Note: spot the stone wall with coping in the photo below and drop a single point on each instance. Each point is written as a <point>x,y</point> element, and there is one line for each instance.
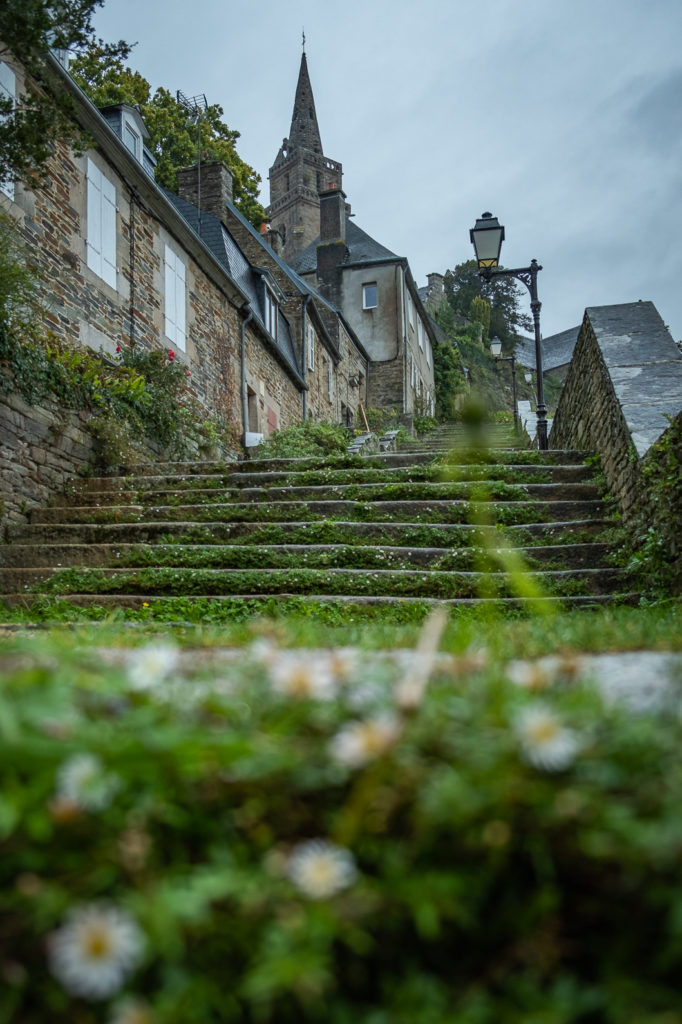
<point>43,448</point>
<point>623,387</point>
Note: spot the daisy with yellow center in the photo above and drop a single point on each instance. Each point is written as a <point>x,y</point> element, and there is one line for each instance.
<point>545,742</point>
<point>95,950</point>
<point>358,743</point>
<point>305,675</point>
<point>320,869</point>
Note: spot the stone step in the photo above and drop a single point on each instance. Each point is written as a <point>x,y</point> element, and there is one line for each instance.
<point>389,582</point>
<point>427,490</point>
<point>367,474</point>
<point>284,555</point>
<point>436,510</point>
<point>147,602</point>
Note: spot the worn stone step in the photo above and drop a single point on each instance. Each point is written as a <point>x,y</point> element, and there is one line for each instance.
<point>449,534</point>
<point>393,582</point>
<point>278,555</point>
<point>146,602</point>
<point>403,490</point>
<point>411,511</point>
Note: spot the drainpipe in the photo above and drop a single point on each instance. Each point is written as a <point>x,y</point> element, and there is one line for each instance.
<point>245,407</point>
<point>304,354</point>
<point>406,382</point>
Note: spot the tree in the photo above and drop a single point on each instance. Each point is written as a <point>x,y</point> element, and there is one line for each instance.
<point>29,30</point>
<point>463,285</point>
<point>479,311</point>
<point>174,131</point>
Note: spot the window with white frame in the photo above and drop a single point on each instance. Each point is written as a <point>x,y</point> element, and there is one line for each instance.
<point>131,140</point>
<point>310,334</point>
<point>420,334</point>
<point>370,295</point>
<point>100,243</point>
<point>8,91</point>
<point>410,310</point>
<point>271,312</point>
<point>428,351</point>
<point>175,299</point>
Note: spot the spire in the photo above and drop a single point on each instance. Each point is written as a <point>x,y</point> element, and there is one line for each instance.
<point>304,131</point>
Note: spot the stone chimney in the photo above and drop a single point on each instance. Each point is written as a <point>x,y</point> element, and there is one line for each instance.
<point>208,186</point>
<point>333,215</point>
<point>272,236</point>
<point>331,248</point>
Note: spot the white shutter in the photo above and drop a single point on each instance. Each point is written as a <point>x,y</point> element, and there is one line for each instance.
<point>101,225</point>
<point>93,241</point>
<point>8,91</point>
<point>176,329</point>
<point>180,317</point>
<point>108,232</point>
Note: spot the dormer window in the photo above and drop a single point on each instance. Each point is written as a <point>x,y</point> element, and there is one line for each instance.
<point>131,140</point>
<point>270,312</point>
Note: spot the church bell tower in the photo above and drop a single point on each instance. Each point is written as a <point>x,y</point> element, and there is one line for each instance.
<point>300,172</point>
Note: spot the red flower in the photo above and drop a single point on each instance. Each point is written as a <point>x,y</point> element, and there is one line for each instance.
<point>118,348</point>
<point>189,373</point>
<point>171,355</point>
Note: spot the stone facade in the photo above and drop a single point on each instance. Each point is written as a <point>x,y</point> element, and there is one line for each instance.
<point>127,301</point>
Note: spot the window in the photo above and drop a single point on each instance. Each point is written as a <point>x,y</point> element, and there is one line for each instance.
<point>175,275</point>
<point>310,334</point>
<point>420,334</point>
<point>330,368</point>
<point>132,140</point>
<point>101,225</point>
<point>8,91</point>
<point>410,310</point>
<point>370,295</point>
<point>428,352</point>
<point>270,312</point>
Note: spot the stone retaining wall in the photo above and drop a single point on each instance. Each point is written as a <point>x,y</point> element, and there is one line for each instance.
<point>623,400</point>
<point>42,448</point>
<point>625,380</point>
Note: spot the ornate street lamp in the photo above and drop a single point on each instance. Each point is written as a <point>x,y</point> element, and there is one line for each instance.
<point>496,352</point>
<point>487,236</point>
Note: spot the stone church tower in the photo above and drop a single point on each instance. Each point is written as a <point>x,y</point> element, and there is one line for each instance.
<point>300,172</point>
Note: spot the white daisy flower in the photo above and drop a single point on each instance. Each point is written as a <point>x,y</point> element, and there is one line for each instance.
<point>357,743</point>
<point>304,674</point>
<point>93,953</point>
<point>320,869</point>
<point>83,782</point>
<point>545,742</point>
<point>150,665</point>
<point>131,1011</point>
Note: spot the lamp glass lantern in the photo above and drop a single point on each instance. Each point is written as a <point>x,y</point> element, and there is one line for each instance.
<point>528,376</point>
<point>487,236</point>
<point>495,347</point>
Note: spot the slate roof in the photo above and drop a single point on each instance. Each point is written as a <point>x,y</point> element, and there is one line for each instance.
<point>223,246</point>
<point>557,350</point>
<point>361,248</point>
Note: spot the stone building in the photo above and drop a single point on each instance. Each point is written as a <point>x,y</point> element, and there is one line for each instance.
<point>127,263</point>
<point>366,282</point>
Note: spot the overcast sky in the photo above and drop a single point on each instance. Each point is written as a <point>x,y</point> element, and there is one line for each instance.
<point>562,117</point>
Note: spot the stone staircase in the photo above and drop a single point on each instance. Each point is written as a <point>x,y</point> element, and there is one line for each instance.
<point>442,519</point>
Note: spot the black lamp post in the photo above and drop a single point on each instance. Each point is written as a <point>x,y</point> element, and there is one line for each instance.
<point>496,352</point>
<point>487,236</point>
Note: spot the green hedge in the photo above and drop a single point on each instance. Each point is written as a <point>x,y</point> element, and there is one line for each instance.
<point>308,836</point>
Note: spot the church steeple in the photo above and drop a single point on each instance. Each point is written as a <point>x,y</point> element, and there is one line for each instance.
<point>304,130</point>
<point>300,172</point>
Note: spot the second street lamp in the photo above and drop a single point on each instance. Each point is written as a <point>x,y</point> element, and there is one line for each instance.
<point>487,236</point>
<point>496,352</point>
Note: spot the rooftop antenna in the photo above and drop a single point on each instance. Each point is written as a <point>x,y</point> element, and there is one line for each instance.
<point>195,106</point>
<point>303,34</point>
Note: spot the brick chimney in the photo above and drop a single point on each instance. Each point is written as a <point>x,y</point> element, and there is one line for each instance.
<point>331,248</point>
<point>208,186</point>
